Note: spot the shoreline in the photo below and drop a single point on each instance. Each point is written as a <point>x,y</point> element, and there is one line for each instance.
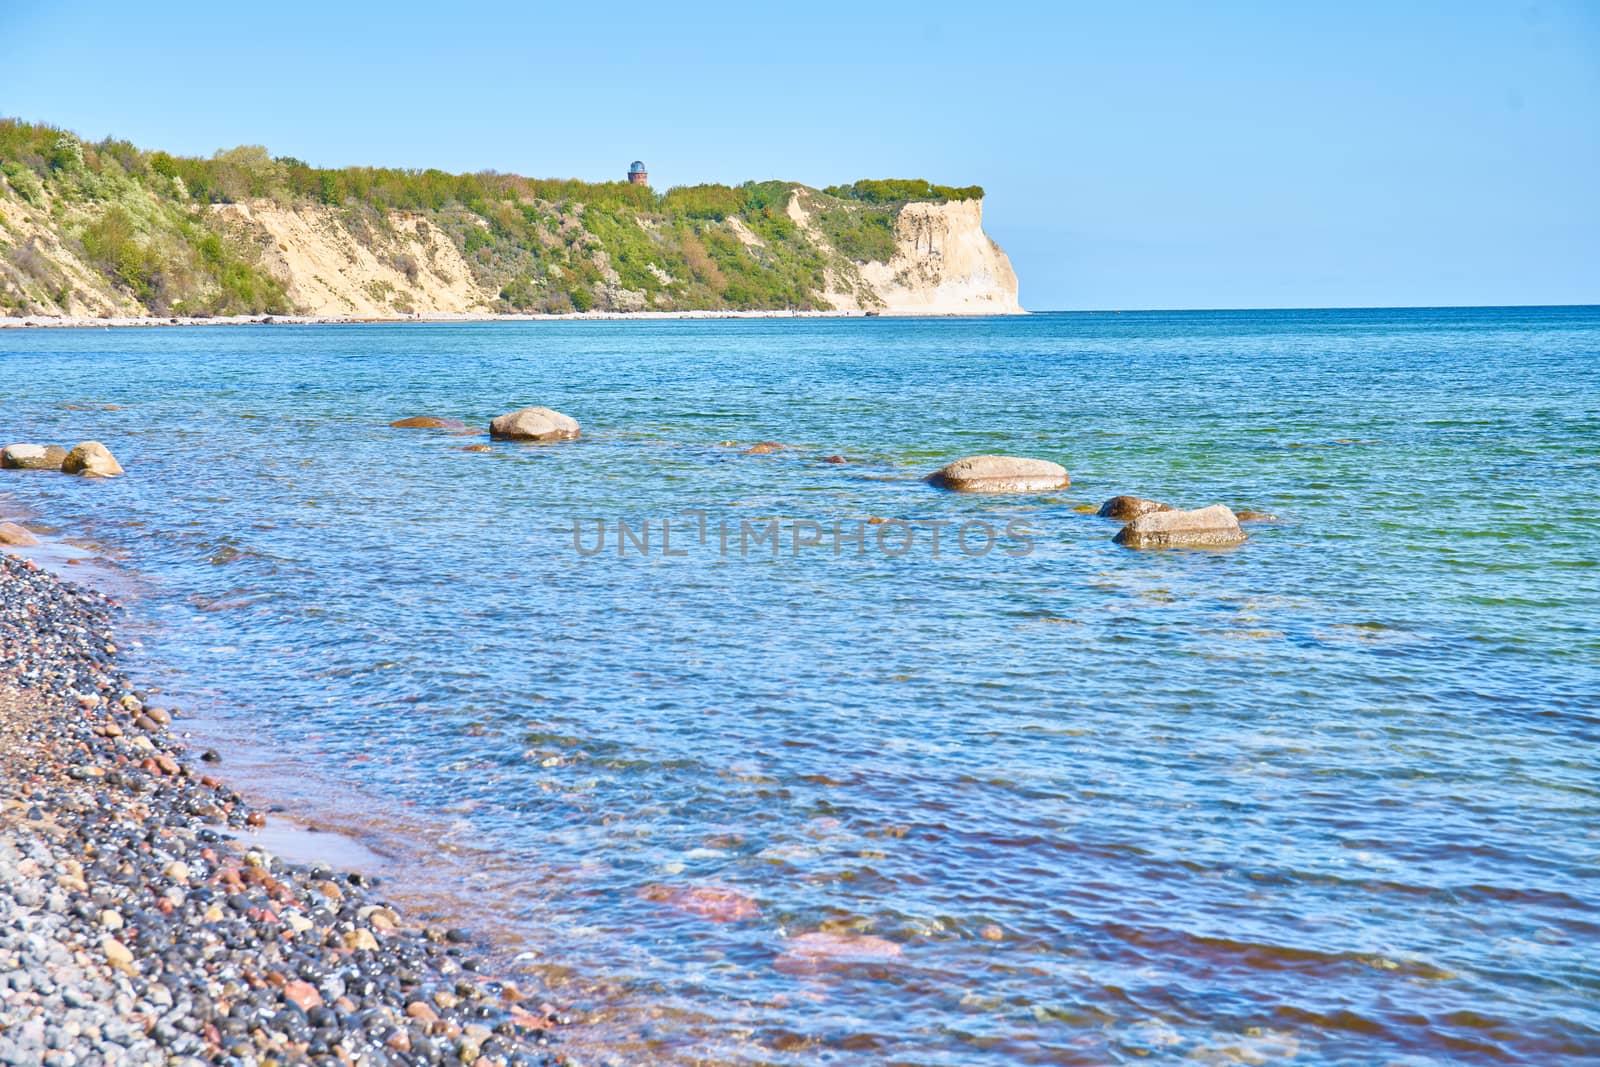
<point>34,322</point>
<point>120,852</point>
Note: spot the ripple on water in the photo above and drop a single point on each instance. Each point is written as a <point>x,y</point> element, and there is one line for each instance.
<point>1324,797</point>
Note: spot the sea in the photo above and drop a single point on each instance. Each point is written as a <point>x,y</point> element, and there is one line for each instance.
<point>785,756</point>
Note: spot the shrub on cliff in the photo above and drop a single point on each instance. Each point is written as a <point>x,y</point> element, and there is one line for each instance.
<point>900,190</point>
<point>66,153</point>
<point>23,181</point>
<point>703,201</point>
<point>862,233</point>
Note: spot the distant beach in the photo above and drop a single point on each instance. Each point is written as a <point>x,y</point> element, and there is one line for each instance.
<point>87,322</point>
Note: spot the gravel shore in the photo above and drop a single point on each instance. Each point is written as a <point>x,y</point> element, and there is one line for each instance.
<point>19,322</point>
<point>136,929</point>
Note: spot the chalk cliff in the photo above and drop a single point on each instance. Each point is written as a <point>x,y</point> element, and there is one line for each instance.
<point>107,230</point>
<point>943,264</point>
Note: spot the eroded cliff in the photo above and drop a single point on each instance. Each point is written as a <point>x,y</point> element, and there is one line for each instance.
<point>943,264</point>
<point>107,230</point>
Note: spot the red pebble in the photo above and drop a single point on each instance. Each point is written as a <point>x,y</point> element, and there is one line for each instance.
<point>302,995</point>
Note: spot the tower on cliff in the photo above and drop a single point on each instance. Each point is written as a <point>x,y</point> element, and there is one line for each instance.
<point>637,174</point>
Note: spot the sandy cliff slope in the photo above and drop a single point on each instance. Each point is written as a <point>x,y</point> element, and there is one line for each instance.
<point>37,259</point>
<point>413,269</point>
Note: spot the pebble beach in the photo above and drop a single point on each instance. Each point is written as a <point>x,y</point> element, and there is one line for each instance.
<point>138,925</point>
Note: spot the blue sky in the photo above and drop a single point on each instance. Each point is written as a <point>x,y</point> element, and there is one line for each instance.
<point>1150,155</point>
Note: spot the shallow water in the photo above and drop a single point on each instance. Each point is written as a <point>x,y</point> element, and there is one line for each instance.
<point>1332,795</point>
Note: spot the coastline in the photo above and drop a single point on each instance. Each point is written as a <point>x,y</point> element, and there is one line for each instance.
<point>143,924</point>
<point>24,322</point>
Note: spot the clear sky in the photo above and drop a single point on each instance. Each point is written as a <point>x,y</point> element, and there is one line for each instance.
<point>1136,155</point>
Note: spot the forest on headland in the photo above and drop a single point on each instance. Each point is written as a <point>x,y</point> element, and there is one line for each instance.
<point>86,223</point>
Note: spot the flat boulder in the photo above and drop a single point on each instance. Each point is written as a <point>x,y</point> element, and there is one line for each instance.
<point>428,422</point>
<point>92,460</point>
<point>534,424</point>
<point>12,534</point>
<point>1000,474</point>
<point>1128,508</point>
<point>32,457</point>
<point>1212,527</point>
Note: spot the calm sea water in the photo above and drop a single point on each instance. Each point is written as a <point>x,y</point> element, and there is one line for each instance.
<point>1332,796</point>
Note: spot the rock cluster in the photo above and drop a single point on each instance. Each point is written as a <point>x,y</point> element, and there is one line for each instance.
<point>91,459</point>
<point>136,929</point>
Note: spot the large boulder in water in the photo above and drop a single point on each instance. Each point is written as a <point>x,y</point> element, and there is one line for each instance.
<point>1212,527</point>
<point>1128,508</point>
<point>428,422</point>
<point>1000,474</point>
<point>92,460</point>
<point>534,424</point>
<point>12,534</point>
<point>32,457</point>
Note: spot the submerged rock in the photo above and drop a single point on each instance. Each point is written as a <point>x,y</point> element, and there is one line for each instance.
<point>32,457</point>
<point>428,422</point>
<point>715,903</point>
<point>1127,508</point>
<point>92,460</point>
<point>1255,516</point>
<point>813,952</point>
<point>762,448</point>
<point>12,534</point>
<point>534,424</point>
<point>1212,527</point>
<point>1000,474</point>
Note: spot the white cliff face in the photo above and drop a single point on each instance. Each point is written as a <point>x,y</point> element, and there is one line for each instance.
<point>944,265</point>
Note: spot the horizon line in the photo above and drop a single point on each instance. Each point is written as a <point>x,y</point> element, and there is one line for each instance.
<point>1300,307</point>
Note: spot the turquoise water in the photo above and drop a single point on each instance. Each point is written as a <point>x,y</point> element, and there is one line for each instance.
<point>1333,795</point>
